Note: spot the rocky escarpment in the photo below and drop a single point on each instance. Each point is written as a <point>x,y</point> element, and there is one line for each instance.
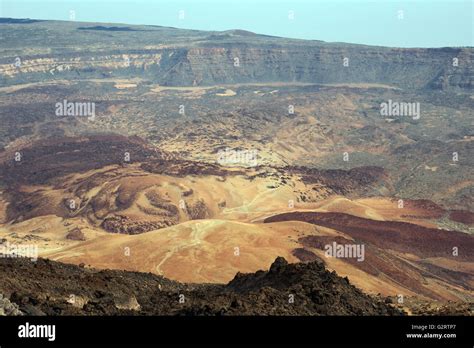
<point>52,288</point>
<point>405,68</point>
<point>185,58</point>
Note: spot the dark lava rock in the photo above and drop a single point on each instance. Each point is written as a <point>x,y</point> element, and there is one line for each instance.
<point>279,264</point>
<point>76,234</point>
<point>286,289</point>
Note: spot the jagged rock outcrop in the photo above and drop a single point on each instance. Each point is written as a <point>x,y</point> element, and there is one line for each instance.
<point>286,289</point>
<point>8,308</point>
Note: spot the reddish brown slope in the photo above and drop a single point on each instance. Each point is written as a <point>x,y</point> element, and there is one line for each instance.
<point>414,257</point>
<point>399,236</point>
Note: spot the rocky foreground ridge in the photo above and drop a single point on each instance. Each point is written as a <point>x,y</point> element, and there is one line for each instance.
<point>51,288</point>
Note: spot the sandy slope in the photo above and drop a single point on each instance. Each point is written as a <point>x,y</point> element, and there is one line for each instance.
<point>205,250</point>
<point>194,251</point>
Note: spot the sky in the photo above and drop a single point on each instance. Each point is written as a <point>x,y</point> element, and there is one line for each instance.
<point>412,23</point>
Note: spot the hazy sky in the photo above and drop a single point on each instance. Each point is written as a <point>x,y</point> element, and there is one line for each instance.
<point>413,23</point>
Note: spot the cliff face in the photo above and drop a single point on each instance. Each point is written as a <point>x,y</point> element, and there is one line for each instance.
<point>177,57</point>
<point>405,68</point>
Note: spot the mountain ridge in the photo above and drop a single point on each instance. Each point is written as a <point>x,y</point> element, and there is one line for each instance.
<point>183,57</point>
